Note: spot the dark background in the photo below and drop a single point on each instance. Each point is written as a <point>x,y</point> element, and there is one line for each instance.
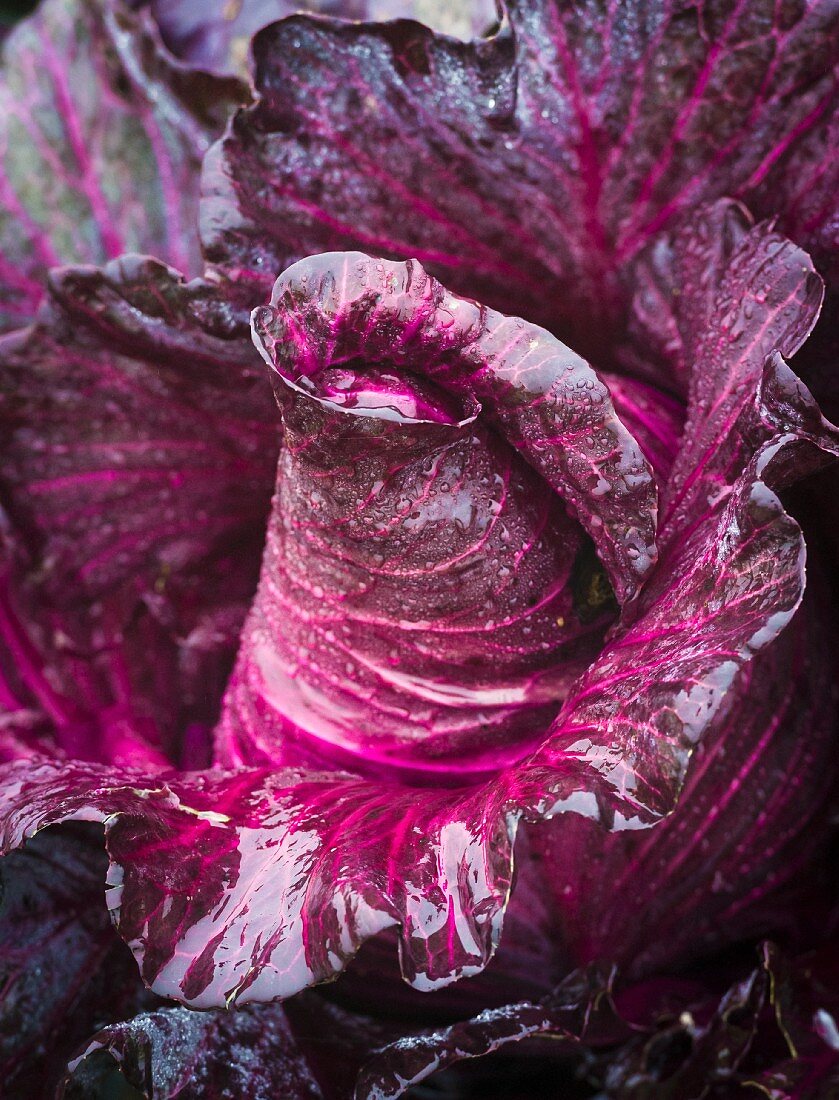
<point>11,10</point>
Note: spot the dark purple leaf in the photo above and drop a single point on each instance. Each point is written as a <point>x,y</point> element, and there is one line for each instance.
<point>696,594</point>
<point>101,137</point>
<point>63,970</point>
<point>687,1058</point>
<point>24,725</point>
<point>336,1042</point>
<point>308,1048</point>
<point>805,1004</point>
<point>797,1079</point>
<point>551,154</point>
<point>677,1038</point>
<point>138,444</point>
<point>573,1012</point>
<point>176,1052</point>
<point>773,1032</point>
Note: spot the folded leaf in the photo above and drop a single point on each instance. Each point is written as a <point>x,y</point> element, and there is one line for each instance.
<point>341,857</point>
<point>727,863</point>
<point>541,396</point>
<point>552,153</point>
<point>570,1013</point>
<point>287,874</point>
<point>224,1055</point>
<point>410,546</point>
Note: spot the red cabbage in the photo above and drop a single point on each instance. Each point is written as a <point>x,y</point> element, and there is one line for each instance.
<point>514,676</point>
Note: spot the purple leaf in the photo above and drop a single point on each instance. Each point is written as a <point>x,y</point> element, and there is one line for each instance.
<point>737,294</point>
<point>542,397</point>
<point>174,1052</point>
<point>732,860</point>
<point>196,861</point>
<point>138,441</point>
<point>653,417</point>
<point>579,1006</point>
<point>113,130</point>
<point>248,886</point>
<point>806,1010</point>
<point>24,724</point>
<point>690,1056</point>
<point>551,154</point>
<point>308,1048</point>
<point>409,543</point>
<point>65,971</point>
<point>677,661</point>
<point>196,858</point>
<point>773,1030</point>
<point>715,871</point>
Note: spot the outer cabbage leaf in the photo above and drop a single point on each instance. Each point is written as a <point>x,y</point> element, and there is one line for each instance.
<point>248,886</point>
<point>735,872</point>
<point>101,137</point>
<point>220,1055</point>
<point>138,446</point>
<point>24,725</point>
<point>773,1030</point>
<point>732,860</point>
<point>251,885</point>
<point>682,1060</point>
<point>308,1048</point>
<point>550,154</point>
<point>719,295</point>
<point>577,1012</point>
<point>65,971</point>
<point>806,1010</point>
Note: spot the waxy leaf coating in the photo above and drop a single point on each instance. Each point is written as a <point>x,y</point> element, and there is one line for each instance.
<point>410,544</point>
<point>541,396</point>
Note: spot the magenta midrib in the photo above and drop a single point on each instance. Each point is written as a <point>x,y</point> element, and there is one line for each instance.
<point>112,240</point>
